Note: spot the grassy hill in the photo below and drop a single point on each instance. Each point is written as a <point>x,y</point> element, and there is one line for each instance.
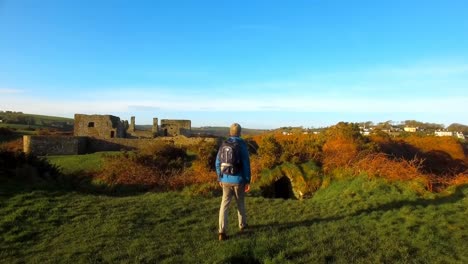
<point>353,221</point>
<point>28,122</point>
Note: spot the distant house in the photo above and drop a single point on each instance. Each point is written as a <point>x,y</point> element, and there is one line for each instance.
<point>444,133</point>
<point>460,135</point>
<point>365,131</point>
<point>411,129</point>
<point>1,121</point>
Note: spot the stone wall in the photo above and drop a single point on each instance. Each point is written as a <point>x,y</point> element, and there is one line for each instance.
<point>100,126</point>
<point>54,145</point>
<point>59,145</point>
<point>117,144</point>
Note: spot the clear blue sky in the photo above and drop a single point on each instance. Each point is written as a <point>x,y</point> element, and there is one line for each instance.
<point>263,64</point>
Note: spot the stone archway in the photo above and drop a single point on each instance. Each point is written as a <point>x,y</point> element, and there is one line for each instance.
<point>282,188</point>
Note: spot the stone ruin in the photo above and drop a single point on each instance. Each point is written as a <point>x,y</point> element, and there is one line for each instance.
<point>93,133</point>
<point>108,126</point>
<point>174,128</point>
<point>99,126</point>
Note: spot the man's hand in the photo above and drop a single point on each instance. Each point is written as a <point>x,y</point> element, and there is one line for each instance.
<point>247,188</point>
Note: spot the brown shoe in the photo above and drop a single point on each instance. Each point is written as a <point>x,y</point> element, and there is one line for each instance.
<point>222,236</point>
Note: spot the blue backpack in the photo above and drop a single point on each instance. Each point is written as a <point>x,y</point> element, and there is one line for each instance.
<point>229,155</point>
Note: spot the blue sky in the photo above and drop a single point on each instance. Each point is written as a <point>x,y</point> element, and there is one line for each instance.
<point>263,64</point>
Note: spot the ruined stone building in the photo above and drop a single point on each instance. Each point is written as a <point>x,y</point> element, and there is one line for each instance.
<point>99,126</point>
<point>172,128</point>
<point>108,126</point>
<point>93,133</point>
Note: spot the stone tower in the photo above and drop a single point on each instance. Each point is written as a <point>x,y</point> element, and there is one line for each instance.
<point>155,129</point>
<point>132,124</point>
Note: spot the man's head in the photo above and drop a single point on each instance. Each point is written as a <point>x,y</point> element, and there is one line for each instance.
<point>235,130</point>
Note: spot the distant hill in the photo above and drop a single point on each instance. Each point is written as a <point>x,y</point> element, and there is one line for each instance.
<point>23,121</point>
<point>458,128</point>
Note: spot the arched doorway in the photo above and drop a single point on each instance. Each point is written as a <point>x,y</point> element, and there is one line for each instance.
<point>283,188</point>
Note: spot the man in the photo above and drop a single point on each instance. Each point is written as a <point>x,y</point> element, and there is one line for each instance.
<point>233,169</point>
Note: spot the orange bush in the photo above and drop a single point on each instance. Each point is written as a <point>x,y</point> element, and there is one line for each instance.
<point>448,145</point>
<point>339,152</point>
<point>459,179</point>
<point>255,168</point>
<point>155,166</point>
<point>13,145</point>
<point>382,165</point>
<point>343,143</point>
<point>124,170</point>
<point>441,155</point>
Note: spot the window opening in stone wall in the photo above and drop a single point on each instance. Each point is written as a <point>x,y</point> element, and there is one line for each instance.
<point>112,134</point>
<point>91,124</point>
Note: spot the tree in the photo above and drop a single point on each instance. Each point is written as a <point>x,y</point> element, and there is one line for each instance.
<point>458,128</point>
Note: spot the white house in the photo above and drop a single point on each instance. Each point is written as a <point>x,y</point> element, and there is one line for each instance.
<point>460,135</point>
<point>411,129</point>
<point>444,133</point>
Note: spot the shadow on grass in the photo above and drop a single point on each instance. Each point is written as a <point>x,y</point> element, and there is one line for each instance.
<point>80,182</point>
<point>456,196</point>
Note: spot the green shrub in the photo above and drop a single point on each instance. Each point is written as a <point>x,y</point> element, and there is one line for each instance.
<point>18,168</point>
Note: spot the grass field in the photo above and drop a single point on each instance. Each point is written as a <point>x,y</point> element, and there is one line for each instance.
<point>70,164</point>
<point>351,221</point>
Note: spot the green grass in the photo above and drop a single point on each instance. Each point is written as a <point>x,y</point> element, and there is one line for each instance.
<point>72,164</point>
<point>351,221</point>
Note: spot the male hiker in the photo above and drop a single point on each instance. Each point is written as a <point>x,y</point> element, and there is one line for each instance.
<point>233,169</point>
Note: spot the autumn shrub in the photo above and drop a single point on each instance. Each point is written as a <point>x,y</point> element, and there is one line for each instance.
<point>269,152</point>
<point>125,170</point>
<point>382,165</point>
<point>256,167</point>
<point>14,145</point>
<point>441,156</point>
<point>449,145</point>
<point>201,170</point>
<point>300,148</point>
<point>274,149</point>
<point>154,167</point>
<point>459,179</point>
<point>344,145</point>
<point>206,152</point>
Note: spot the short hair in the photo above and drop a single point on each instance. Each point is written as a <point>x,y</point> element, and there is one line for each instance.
<point>235,130</point>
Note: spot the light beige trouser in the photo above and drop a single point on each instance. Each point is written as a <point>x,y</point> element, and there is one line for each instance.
<point>229,191</point>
